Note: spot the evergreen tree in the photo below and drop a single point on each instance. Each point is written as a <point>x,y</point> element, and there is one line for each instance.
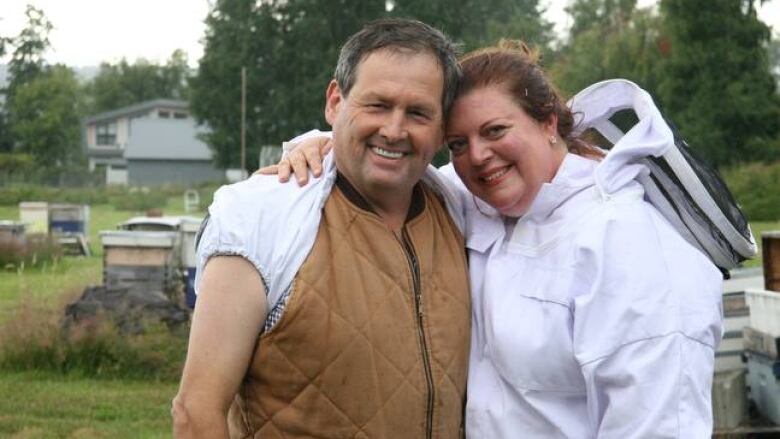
<point>27,60</point>
<point>239,33</point>
<point>716,82</point>
<point>479,23</point>
<point>609,39</point>
<point>289,49</point>
<point>26,64</point>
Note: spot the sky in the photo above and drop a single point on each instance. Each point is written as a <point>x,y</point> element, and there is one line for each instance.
<point>88,32</point>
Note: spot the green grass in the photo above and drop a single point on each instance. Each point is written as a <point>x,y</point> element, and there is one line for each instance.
<point>38,405</point>
<point>52,285</point>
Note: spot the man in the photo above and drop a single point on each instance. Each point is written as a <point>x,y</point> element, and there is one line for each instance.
<point>340,309</point>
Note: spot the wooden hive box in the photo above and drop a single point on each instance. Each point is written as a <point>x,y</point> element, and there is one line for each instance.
<point>770,248</point>
<point>142,261</point>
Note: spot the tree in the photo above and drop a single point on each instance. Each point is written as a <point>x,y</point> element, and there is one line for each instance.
<point>716,82</point>
<point>5,137</point>
<point>26,64</point>
<point>239,33</point>
<point>27,60</point>
<point>46,117</point>
<point>123,84</point>
<point>289,49</point>
<point>609,39</point>
<point>477,23</point>
<point>774,57</point>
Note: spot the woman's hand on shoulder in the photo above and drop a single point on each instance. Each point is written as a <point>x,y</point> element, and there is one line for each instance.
<point>303,157</point>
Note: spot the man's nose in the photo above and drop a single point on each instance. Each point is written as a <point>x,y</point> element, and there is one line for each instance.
<point>394,127</point>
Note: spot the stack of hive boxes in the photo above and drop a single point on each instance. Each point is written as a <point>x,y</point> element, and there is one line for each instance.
<point>762,337</point>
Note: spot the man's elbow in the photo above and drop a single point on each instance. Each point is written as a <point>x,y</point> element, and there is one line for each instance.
<point>195,419</point>
<point>180,414</point>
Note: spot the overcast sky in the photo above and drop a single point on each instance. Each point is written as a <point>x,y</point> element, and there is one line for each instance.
<point>87,32</point>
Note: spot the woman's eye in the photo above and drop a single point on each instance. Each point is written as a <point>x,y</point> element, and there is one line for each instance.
<point>495,131</point>
<point>457,147</point>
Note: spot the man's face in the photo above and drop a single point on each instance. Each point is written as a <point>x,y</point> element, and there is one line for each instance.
<point>387,130</point>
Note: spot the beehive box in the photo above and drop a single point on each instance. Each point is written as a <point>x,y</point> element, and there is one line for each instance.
<point>12,233</point>
<point>142,261</point>
<point>69,218</point>
<point>764,384</point>
<point>35,215</point>
<point>729,398</point>
<point>770,249</point>
<point>764,310</point>
<point>189,229</point>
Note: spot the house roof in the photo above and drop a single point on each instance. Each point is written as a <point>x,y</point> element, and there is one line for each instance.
<point>166,139</point>
<point>136,109</point>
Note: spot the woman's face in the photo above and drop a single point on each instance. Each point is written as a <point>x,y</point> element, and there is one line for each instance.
<point>502,155</point>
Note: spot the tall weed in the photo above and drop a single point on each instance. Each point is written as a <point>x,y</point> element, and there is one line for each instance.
<point>35,338</point>
<point>35,251</point>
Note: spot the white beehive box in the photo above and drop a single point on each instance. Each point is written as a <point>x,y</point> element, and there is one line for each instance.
<point>35,215</point>
<point>764,310</point>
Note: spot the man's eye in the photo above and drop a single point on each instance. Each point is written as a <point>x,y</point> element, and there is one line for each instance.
<point>377,105</point>
<point>419,114</point>
<point>457,147</point>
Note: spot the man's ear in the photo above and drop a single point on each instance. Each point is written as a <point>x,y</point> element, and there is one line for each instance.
<point>333,100</point>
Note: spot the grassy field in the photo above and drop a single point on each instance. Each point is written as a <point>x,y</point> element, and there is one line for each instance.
<point>56,405</point>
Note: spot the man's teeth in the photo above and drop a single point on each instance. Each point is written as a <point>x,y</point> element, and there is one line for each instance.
<point>388,154</point>
<point>495,175</point>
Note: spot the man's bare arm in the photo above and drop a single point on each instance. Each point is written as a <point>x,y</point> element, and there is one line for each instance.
<point>228,317</point>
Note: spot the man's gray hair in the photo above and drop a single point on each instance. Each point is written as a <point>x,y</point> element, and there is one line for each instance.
<point>402,35</point>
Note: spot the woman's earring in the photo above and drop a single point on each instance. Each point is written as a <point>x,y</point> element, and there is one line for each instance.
<point>553,140</point>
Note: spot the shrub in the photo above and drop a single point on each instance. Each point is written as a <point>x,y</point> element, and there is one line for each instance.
<point>756,187</point>
<point>140,200</point>
<point>33,338</point>
<point>14,194</point>
<point>36,251</point>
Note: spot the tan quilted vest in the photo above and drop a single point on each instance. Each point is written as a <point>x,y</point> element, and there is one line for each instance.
<point>351,356</point>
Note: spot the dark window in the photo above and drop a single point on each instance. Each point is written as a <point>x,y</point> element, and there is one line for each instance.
<point>164,114</point>
<point>106,134</point>
<point>178,115</point>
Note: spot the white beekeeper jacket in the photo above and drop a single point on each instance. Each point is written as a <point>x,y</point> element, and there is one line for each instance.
<point>592,317</point>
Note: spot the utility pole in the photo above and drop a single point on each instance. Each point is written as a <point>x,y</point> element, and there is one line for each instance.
<point>243,122</point>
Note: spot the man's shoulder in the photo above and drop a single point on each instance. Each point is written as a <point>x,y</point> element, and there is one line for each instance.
<point>254,191</point>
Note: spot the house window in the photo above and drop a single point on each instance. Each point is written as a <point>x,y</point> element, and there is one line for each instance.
<point>178,115</point>
<point>106,134</point>
<point>164,114</point>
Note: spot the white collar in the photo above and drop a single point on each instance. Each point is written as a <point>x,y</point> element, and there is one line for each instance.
<point>574,175</point>
<point>548,217</point>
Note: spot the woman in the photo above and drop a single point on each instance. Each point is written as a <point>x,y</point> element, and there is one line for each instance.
<point>592,316</point>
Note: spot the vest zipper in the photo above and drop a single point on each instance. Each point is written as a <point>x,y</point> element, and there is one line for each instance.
<point>414,266</point>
